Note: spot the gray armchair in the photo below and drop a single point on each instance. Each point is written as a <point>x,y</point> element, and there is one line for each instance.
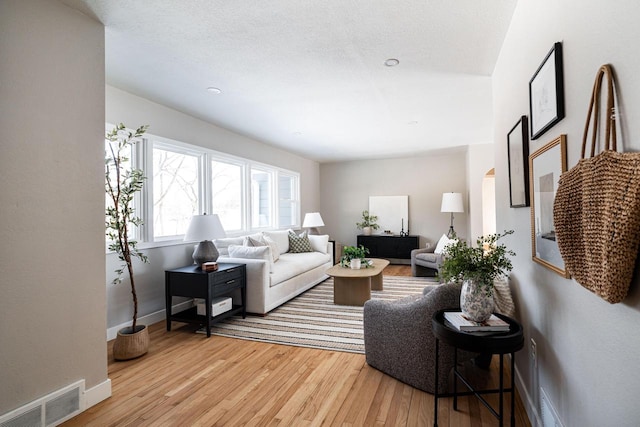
<point>425,263</point>
<point>399,341</point>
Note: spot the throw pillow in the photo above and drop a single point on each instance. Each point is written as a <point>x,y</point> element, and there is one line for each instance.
<point>443,243</point>
<point>319,243</point>
<point>254,241</point>
<point>275,251</point>
<point>252,252</point>
<point>223,244</point>
<point>281,237</point>
<point>299,244</point>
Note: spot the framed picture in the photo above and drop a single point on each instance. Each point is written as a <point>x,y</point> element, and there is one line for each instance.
<point>545,167</point>
<point>546,93</point>
<point>518,153</point>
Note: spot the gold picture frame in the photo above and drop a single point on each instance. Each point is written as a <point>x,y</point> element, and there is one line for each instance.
<point>545,167</point>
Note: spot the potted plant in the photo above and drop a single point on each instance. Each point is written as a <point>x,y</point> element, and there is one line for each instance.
<point>477,267</point>
<point>121,185</point>
<point>368,223</point>
<point>354,257</point>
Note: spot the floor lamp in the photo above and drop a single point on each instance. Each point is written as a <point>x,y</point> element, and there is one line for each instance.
<point>451,202</point>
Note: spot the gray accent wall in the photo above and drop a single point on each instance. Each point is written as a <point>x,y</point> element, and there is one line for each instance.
<point>52,265</point>
<point>588,350</point>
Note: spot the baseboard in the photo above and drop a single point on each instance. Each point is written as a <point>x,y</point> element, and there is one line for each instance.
<point>529,406</point>
<point>97,394</point>
<point>149,319</point>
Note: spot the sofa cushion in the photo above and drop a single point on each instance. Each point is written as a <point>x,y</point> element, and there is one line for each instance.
<point>319,243</point>
<point>429,257</point>
<point>293,264</point>
<point>281,237</point>
<point>275,251</point>
<point>223,244</point>
<point>299,243</point>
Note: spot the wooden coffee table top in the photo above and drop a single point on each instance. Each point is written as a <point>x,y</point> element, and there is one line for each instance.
<point>378,266</point>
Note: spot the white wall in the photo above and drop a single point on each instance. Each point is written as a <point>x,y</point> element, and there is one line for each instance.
<point>134,111</point>
<point>588,349</point>
<point>346,187</point>
<point>52,266</point>
<point>480,160</point>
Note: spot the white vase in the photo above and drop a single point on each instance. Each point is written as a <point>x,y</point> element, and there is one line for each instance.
<point>366,231</point>
<point>476,302</point>
<point>355,263</point>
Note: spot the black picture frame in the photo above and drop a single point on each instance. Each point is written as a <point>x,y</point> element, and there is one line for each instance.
<point>518,157</point>
<point>546,165</point>
<point>546,93</point>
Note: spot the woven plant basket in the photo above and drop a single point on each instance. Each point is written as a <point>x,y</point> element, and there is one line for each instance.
<point>131,345</point>
<point>597,207</point>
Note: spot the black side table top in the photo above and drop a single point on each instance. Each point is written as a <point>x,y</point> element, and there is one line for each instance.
<point>494,343</point>
<point>193,268</point>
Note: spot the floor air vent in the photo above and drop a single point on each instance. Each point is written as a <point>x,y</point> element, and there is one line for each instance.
<point>50,410</point>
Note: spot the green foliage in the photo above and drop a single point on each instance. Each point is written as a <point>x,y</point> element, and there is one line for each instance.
<point>352,252</point>
<point>482,263</point>
<point>121,185</point>
<point>368,221</point>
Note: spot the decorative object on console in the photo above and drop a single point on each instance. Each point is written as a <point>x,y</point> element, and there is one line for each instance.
<point>368,223</point>
<point>451,202</point>
<point>121,185</point>
<point>477,267</point>
<point>313,220</point>
<point>546,93</point>
<point>204,228</point>
<point>518,155</point>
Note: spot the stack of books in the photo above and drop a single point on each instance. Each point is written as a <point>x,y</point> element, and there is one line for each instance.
<point>457,321</point>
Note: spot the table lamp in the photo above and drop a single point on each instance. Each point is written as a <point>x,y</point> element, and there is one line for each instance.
<point>204,228</point>
<point>312,220</point>
<point>451,202</point>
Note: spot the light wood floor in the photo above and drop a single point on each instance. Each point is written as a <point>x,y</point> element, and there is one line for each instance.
<point>189,380</point>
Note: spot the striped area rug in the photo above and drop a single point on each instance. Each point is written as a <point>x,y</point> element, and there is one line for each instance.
<point>313,320</point>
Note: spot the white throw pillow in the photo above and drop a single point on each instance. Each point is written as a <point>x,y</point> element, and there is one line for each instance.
<point>443,243</point>
<point>223,244</point>
<point>281,237</point>
<point>251,252</point>
<point>275,252</point>
<point>319,243</point>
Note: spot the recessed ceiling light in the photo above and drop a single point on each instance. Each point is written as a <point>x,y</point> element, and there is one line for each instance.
<point>212,89</point>
<point>391,62</point>
<point>297,133</point>
<point>412,122</point>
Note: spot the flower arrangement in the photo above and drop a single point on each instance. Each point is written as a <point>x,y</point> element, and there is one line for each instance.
<point>481,264</point>
<point>368,220</point>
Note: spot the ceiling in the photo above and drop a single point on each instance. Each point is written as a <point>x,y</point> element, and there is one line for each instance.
<point>310,76</point>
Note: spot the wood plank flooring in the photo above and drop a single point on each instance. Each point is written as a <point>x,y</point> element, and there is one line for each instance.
<point>189,380</point>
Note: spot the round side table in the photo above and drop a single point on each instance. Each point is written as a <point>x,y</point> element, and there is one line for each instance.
<point>490,343</point>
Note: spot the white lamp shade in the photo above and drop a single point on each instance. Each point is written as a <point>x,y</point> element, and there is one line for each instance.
<point>312,219</point>
<point>451,202</point>
<point>204,227</point>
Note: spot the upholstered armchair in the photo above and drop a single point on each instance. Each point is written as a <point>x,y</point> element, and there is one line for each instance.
<point>399,341</point>
<point>425,263</point>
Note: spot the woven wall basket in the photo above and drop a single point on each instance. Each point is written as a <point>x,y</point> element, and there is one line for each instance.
<point>597,207</point>
<point>129,346</point>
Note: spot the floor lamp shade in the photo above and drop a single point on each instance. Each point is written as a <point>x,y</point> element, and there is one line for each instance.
<point>313,220</point>
<point>203,229</point>
<point>451,202</point>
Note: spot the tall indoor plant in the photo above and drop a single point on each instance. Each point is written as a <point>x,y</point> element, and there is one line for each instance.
<point>477,267</point>
<point>122,182</point>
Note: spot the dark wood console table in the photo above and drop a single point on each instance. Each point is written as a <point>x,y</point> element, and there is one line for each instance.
<point>389,247</point>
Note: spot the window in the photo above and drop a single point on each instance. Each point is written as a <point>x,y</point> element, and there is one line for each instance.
<point>287,200</point>
<point>261,203</point>
<point>185,180</point>
<point>226,194</point>
<point>175,191</point>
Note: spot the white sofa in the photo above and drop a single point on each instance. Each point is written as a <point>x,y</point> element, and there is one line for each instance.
<point>274,275</point>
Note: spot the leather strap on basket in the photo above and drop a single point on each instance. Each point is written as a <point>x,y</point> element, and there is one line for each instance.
<point>594,110</point>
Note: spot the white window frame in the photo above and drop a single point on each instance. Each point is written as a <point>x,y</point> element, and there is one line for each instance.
<point>142,158</point>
